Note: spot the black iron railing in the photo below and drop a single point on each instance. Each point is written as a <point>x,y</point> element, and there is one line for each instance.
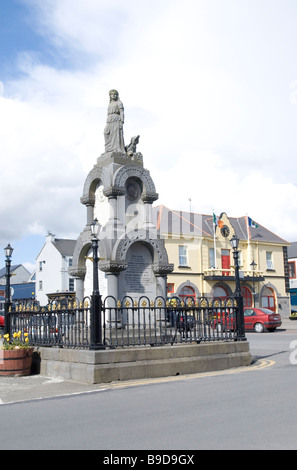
<point>127,322</point>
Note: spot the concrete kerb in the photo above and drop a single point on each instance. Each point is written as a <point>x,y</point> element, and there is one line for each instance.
<point>96,367</point>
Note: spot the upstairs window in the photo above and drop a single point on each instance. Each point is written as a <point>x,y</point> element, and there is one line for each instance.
<point>211,256</point>
<point>292,269</point>
<point>269,260</point>
<point>182,255</point>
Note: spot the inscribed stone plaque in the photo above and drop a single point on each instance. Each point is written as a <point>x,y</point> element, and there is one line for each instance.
<point>138,279</point>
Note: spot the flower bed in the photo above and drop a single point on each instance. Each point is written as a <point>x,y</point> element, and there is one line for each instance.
<point>15,355</point>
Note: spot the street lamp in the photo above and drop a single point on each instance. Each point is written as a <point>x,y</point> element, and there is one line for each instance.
<point>96,302</point>
<point>8,253</point>
<point>238,295</point>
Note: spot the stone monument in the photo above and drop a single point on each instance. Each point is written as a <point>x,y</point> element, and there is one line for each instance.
<point>119,192</point>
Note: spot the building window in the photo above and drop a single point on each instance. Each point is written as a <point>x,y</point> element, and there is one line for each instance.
<point>70,262</point>
<point>268,299</point>
<point>225,258</point>
<point>269,261</point>
<point>240,263</point>
<point>71,285</point>
<point>187,291</point>
<point>40,285</point>
<point>40,265</point>
<point>211,256</point>
<point>247,297</point>
<point>220,292</point>
<point>170,287</point>
<point>292,269</point>
<point>183,255</point>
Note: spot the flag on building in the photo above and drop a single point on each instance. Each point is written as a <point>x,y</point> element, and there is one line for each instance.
<point>217,220</point>
<point>252,223</point>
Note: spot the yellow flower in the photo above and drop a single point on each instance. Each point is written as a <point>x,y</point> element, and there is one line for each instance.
<point>26,339</point>
<point>25,334</point>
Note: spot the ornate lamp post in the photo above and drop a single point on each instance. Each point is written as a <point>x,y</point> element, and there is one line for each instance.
<point>96,301</point>
<point>8,253</point>
<point>238,296</point>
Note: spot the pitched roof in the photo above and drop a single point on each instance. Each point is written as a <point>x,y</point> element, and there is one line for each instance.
<point>292,250</point>
<point>12,268</point>
<point>65,247</point>
<point>189,223</point>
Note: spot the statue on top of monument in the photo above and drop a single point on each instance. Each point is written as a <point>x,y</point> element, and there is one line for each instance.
<point>113,132</point>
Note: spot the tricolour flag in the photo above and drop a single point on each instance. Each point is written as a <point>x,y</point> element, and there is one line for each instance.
<point>252,223</point>
<point>217,220</point>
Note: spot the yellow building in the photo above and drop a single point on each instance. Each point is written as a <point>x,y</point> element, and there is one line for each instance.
<point>203,261</point>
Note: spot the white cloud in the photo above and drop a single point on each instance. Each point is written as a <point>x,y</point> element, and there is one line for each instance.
<point>211,101</point>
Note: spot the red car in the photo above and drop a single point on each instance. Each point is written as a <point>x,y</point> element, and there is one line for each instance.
<point>261,319</point>
<point>255,319</point>
<point>1,320</point>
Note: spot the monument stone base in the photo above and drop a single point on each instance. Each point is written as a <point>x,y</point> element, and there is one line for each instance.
<point>94,367</point>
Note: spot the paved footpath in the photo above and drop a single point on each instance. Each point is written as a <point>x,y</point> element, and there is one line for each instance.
<point>37,387</point>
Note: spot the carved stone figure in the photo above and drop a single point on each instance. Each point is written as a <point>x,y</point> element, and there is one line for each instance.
<point>131,148</point>
<point>113,132</point>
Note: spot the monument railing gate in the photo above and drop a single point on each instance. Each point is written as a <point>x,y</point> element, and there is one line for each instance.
<point>125,323</point>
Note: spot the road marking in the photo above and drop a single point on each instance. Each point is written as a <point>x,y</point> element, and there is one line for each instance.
<point>258,365</point>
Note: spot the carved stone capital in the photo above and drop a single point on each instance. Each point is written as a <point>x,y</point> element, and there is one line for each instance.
<point>77,272</point>
<point>112,266</point>
<point>113,192</point>
<point>88,200</point>
<point>163,269</point>
<point>150,197</point>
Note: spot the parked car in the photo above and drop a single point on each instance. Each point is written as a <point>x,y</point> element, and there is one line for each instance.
<point>255,319</point>
<point>261,319</point>
<point>185,322</point>
<point>1,320</point>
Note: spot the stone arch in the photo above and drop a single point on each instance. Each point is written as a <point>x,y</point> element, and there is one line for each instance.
<point>125,172</point>
<point>156,246</point>
<point>97,174</point>
<point>81,250</point>
<point>188,284</point>
<point>225,286</point>
<point>271,286</point>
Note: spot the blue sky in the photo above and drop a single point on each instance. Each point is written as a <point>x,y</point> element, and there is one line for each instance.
<point>210,86</point>
<point>17,35</point>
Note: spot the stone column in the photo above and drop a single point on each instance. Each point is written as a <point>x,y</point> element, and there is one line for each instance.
<point>79,281</point>
<point>79,275</point>
<point>161,274</point>
<point>89,202</point>
<point>113,225</point>
<point>112,271</point>
<point>148,200</point>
